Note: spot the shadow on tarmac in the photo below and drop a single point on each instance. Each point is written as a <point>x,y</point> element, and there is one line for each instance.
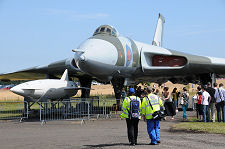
<point>112,144</point>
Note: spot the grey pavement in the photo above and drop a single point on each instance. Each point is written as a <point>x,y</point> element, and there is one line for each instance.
<point>98,134</point>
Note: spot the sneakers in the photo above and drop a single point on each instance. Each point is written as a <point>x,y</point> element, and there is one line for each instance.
<point>154,143</point>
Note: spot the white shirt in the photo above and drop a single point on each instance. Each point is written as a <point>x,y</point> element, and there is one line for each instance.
<point>219,94</point>
<point>205,98</point>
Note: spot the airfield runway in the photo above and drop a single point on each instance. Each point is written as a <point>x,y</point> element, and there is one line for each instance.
<point>97,134</point>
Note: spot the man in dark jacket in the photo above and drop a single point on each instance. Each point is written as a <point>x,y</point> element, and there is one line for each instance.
<point>211,92</point>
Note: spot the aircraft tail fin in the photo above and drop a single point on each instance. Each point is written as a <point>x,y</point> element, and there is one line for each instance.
<point>65,76</point>
<point>157,41</point>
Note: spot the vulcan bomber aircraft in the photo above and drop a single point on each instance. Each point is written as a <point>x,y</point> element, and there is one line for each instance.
<point>109,57</point>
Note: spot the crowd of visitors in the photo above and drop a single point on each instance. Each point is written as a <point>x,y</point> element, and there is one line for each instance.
<point>210,100</point>
<point>171,100</point>
<point>148,103</point>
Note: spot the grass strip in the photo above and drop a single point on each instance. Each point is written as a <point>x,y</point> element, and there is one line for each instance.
<point>216,128</point>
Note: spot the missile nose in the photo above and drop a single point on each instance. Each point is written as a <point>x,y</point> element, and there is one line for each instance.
<point>12,89</point>
<point>16,90</point>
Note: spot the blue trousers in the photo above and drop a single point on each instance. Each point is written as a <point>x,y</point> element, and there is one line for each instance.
<point>184,108</point>
<point>153,130</point>
<point>220,107</point>
<point>205,113</point>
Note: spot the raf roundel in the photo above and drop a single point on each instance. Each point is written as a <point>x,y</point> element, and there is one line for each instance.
<point>129,55</point>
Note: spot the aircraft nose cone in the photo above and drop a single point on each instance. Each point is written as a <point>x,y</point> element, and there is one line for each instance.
<point>99,57</point>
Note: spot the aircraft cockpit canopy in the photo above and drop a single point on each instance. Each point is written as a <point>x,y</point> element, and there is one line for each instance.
<point>106,29</point>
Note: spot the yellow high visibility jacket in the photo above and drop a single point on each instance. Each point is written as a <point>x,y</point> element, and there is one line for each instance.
<point>126,106</point>
<point>156,103</point>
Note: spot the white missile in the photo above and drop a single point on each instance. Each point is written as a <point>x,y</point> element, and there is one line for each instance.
<point>54,89</point>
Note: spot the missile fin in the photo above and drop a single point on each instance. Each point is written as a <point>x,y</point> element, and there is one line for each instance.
<point>65,76</point>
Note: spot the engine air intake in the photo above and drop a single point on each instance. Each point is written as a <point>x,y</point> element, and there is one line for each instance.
<point>168,61</point>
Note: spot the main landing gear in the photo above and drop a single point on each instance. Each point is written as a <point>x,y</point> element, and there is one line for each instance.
<point>118,84</point>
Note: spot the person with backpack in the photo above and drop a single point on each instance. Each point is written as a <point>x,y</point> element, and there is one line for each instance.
<point>131,110</point>
<point>150,104</point>
<point>184,102</point>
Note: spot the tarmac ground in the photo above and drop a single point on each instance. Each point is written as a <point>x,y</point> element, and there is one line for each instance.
<point>108,133</point>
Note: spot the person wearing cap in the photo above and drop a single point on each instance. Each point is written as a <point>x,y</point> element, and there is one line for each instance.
<point>132,123</point>
<point>147,111</point>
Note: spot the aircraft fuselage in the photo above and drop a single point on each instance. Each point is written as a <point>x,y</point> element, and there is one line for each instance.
<point>105,56</point>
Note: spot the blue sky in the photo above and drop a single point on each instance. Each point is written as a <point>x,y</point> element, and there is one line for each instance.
<point>39,32</point>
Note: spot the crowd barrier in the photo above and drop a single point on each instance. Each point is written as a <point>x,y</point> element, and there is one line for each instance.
<point>13,110</point>
<point>73,109</point>
<point>84,109</point>
<point>65,110</point>
<point>80,109</point>
<point>103,108</point>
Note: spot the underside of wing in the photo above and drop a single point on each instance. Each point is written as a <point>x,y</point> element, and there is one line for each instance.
<point>21,75</point>
<point>52,70</point>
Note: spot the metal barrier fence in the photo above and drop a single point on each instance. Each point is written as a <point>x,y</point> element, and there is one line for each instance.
<point>112,108</point>
<point>13,110</point>
<point>103,108</point>
<point>76,109</point>
<point>65,110</point>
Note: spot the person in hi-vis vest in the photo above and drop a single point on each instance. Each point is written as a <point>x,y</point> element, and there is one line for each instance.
<point>132,115</point>
<point>147,111</point>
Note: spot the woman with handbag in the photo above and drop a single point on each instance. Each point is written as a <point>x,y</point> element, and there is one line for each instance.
<point>168,103</point>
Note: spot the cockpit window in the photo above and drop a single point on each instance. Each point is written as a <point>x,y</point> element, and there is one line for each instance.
<point>106,30</point>
<point>113,31</point>
<point>97,30</point>
<point>102,29</point>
